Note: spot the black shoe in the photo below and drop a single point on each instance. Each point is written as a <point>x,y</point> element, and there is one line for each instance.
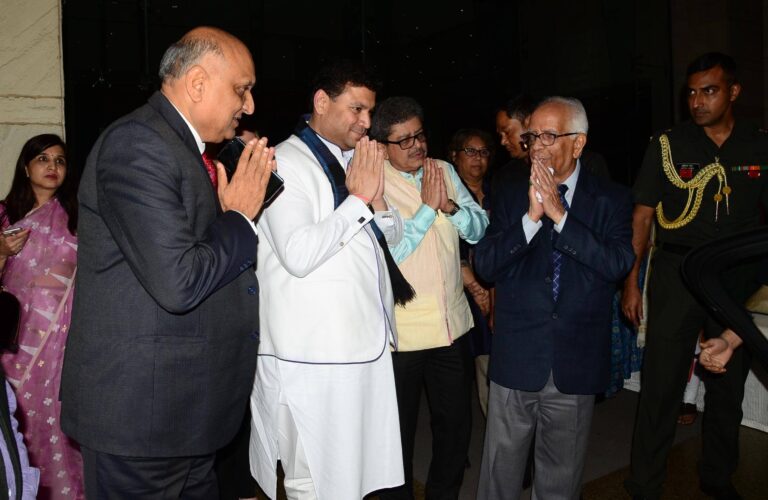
<point>720,491</point>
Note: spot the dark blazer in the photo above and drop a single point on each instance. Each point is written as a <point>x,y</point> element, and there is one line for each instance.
<point>162,348</point>
<point>533,335</point>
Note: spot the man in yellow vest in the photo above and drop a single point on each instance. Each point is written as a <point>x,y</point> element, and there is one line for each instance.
<point>437,210</point>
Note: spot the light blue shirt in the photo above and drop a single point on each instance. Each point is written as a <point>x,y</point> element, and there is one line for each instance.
<point>530,228</point>
<point>470,221</point>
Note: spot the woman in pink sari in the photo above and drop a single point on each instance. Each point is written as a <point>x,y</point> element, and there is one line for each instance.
<point>38,266</point>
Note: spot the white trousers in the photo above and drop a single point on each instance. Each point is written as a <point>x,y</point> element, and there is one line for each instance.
<point>298,480</point>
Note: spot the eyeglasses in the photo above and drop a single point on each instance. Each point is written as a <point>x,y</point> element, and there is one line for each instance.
<point>547,138</point>
<point>472,152</point>
<point>408,142</point>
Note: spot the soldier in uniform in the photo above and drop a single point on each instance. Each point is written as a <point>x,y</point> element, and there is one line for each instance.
<point>703,179</point>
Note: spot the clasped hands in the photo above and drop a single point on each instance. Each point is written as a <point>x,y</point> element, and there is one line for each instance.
<point>716,352</point>
<point>433,191</point>
<point>543,182</point>
<point>365,178</point>
<point>245,192</point>
<point>481,295</point>
<point>365,174</point>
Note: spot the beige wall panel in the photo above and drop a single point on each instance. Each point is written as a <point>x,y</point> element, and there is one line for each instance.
<point>30,55</point>
<point>25,110</point>
<point>31,77</point>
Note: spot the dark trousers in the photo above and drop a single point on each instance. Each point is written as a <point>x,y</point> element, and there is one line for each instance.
<point>446,373</point>
<point>233,464</point>
<point>114,477</point>
<point>675,319</point>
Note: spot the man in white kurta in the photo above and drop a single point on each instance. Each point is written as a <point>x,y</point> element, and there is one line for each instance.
<point>324,401</point>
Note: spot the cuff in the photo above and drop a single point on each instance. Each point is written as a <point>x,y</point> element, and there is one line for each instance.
<point>424,217</point>
<point>253,226</point>
<point>559,226</point>
<point>530,228</point>
<point>355,209</point>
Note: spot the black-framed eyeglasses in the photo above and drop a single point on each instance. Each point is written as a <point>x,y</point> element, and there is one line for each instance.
<point>472,152</point>
<point>408,142</point>
<point>546,138</point>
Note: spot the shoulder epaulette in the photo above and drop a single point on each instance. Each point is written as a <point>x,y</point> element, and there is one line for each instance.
<point>659,134</point>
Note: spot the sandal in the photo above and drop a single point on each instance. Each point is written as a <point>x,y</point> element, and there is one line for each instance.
<point>688,414</point>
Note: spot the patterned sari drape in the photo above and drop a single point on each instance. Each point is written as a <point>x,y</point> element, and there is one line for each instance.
<point>42,277</point>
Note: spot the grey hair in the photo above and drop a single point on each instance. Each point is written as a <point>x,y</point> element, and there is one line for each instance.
<point>578,119</point>
<point>393,111</point>
<point>184,54</point>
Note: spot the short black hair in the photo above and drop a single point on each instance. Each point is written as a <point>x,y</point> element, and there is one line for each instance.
<point>519,108</point>
<point>390,112</point>
<point>711,59</point>
<point>334,77</point>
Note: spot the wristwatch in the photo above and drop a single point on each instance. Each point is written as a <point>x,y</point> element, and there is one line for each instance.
<point>456,207</point>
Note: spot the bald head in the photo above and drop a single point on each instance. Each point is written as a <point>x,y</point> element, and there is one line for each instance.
<point>570,107</point>
<point>562,121</point>
<point>191,49</point>
<point>208,76</point>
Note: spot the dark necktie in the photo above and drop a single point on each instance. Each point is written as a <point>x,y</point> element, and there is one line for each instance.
<point>557,257</point>
<point>211,168</point>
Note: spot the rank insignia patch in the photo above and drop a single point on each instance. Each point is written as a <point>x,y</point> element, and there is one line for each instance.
<point>686,171</point>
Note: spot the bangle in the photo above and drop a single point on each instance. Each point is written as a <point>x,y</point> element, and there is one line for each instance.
<point>365,200</point>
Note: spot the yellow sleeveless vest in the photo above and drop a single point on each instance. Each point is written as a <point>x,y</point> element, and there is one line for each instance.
<point>440,313</point>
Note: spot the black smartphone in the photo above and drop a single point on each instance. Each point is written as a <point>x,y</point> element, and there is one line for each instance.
<point>230,155</point>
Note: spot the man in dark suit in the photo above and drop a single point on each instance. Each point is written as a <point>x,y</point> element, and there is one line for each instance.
<point>555,249</point>
<point>162,349</point>
<point>511,121</point>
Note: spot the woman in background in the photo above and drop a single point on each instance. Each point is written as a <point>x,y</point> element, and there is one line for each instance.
<point>38,266</point>
<point>470,151</point>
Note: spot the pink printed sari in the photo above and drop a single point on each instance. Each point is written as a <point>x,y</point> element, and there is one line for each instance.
<point>41,276</point>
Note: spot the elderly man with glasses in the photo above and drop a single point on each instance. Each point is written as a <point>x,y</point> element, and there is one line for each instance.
<point>432,349</point>
<point>556,247</point>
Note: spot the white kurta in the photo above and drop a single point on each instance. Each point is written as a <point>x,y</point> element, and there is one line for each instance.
<point>326,315</point>
<point>345,416</point>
